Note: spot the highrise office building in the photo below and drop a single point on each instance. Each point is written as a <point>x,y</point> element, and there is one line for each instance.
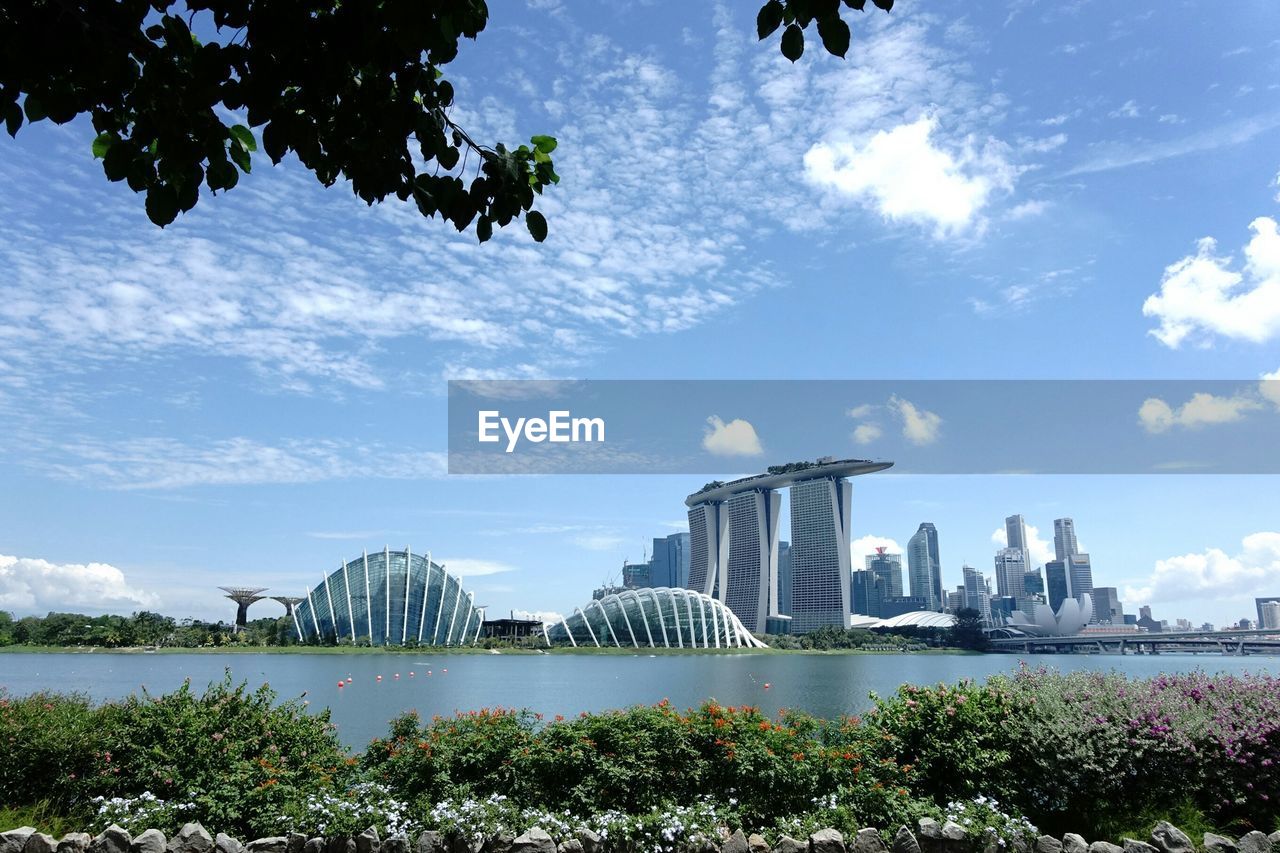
<point>1081,572</point>
<point>708,547</point>
<point>866,592</point>
<point>977,596</point>
<point>669,565</point>
<point>820,517</point>
<point>1071,577</point>
<point>1033,582</point>
<point>784,578</point>
<point>1015,532</point>
<point>887,567</point>
<point>924,566</point>
<point>1269,614</point>
<point>752,575</point>
<point>1262,601</point>
<point>1057,583</point>
<point>1106,605</point>
<point>1011,572</point>
<point>1064,538</point>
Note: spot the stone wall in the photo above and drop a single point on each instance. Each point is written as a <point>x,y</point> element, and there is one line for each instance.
<point>930,837</point>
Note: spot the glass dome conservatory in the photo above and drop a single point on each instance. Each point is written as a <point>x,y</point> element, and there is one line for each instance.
<point>653,617</point>
<point>389,598</point>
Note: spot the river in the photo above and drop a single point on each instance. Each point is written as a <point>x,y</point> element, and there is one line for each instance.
<point>822,684</point>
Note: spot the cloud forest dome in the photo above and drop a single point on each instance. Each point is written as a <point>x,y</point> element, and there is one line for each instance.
<point>652,618</point>
<point>389,598</point>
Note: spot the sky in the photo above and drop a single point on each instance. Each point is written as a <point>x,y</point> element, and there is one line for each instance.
<point>1017,190</point>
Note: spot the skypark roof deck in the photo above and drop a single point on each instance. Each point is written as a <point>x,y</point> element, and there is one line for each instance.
<point>809,471</point>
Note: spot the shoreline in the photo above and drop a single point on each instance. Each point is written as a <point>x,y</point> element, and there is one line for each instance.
<point>463,650</point>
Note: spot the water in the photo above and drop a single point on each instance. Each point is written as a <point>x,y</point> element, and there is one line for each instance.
<point>825,685</point>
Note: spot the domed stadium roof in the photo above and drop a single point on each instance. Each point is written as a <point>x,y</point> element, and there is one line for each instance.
<point>652,618</point>
<point>389,598</point>
<point>914,619</point>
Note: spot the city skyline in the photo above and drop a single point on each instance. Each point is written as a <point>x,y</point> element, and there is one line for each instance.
<point>258,391</point>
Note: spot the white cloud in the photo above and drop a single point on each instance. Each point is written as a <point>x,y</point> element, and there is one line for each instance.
<point>1028,209</point>
<point>1202,296</point>
<point>29,585</point>
<point>1269,387</point>
<point>735,438</point>
<point>864,546</point>
<point>1202,409</point>
<point>860,412</point>
<point>867,433</point>
<point>904,175</point>
<point>1124,154</point>
<point>546,617</point>
<point>465,567</point>
<point>598,542</point>
<point>1039,549</point>
<point>1213,574</point>
<point>919,426</point>
<point>1129,109</point>
<point>165,463</point>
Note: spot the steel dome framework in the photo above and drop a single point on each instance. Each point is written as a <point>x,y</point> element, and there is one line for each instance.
<point>389,598</point>
<point>654,617</point>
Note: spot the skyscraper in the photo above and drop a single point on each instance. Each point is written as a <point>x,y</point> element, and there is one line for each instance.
<point>1011,572</point>
<point>1260,602</point>
<point>1015,531</point>
<point>784,578</point>
<point>1064,538</point>
<point>1269,611</point>
<point>977,596</point>
<point>1057,583</point>
<point>753,556</point>
<point>1081,573</point>
<point>708,547</point>
<point>669,565</point>
<point>820,517</point>
<point>1071,577</point>
<point>1106,605</point>
<point>887,567</point>
<point>924,566</point>
<point>866,592</point>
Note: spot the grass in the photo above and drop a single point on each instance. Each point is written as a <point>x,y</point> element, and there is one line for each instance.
<point>44,817</point>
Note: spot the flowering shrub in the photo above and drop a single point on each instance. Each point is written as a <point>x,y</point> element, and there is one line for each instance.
<point>141,812</point>
<point>983,818</point>
<point>348,812</point>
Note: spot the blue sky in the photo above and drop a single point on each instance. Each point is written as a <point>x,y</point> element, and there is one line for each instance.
<point>1030,190</point>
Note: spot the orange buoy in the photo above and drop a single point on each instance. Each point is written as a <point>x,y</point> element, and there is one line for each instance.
<point>342,684</point>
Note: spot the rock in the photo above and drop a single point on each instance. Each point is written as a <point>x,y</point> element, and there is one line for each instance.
<point>757,844</point>
<point>929,828</point>
<point>869,841</point>
<point>590,841</point>
<point>1072,843</point>
<point>398,843</point>
<point>535,840</point>
<point>150,841</point>
<point>75,842</point>
<point>270,844</point>
<point>367,841</point>
<point>39,842</point>
<point>787,844</point>
<point>15,839</point>
<point>1105,847</point>
<point>1274,838</point>
<point>1254,842</point>
<point>429,842</point>
<point>1132,845</point>
<point>1169,839</point>
<point>736,843</point>
<point>826,841</point>
<point>1047,844</point>
<point>952,831</point>
<point>192,838</point>
<point>223,843</point>
<point>569,845</point>
<point>295,841</point>
<point>905,842</point>
<point>313,845</point>
<point>500,843</point>
<point>113,839</point>
<point>1214,843</point>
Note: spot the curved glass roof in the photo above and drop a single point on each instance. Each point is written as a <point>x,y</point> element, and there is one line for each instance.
<point>654,617</point>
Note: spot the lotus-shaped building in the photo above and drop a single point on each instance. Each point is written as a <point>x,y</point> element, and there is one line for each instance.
<point>1070,619</point>
<point>389,598</point>
<point>652,618</point>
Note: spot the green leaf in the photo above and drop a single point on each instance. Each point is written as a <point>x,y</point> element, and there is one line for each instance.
<point>448,157</point>
<point>769,19</point>
<point>35,109</point>
<point>101,143</point>
<point>545,144</point>
<point>793,42</point>
<point>162,204</point>
<point>537,225</point>
<point>240,156</point>
<point>835,35</point>
<point>484,228</point>
<point>12,118</point>
<point>221,175</point>
<point>244,136</point>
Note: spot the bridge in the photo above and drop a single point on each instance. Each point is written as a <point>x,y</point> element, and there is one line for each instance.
<point>1228,642</point>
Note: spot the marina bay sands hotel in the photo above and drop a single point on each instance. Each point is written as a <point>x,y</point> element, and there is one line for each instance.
<point>733,542</point>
